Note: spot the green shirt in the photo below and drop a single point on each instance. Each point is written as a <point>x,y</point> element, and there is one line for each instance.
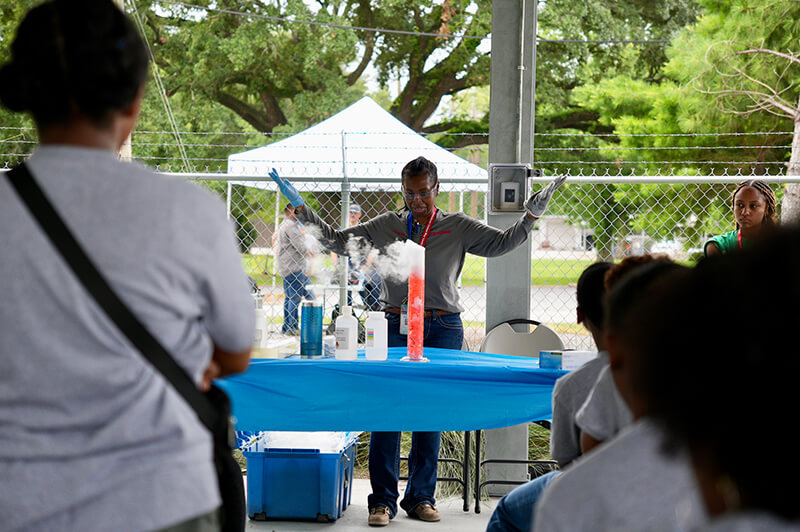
<point>727,242</point>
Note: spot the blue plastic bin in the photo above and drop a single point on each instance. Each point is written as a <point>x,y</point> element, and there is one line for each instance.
<point>299,483</point>
<point>550,359</point>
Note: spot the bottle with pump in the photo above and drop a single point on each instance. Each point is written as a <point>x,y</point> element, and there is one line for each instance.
<point>346,335</point>
<point>376,336</point>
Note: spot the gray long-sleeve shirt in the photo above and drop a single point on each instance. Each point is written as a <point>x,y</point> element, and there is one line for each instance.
<point>291,248</point>
<point>451,237</point>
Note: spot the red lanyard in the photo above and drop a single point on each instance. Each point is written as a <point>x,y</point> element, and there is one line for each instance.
<point>739,239</point>
<point>427,231</point>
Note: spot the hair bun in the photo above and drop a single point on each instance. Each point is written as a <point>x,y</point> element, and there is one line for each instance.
<point>14,93</point>
<point>90,61</point>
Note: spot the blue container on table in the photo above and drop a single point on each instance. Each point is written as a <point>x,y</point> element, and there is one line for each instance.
<point>550,359</point>
<point>299,483</point>
<point>311,329</point>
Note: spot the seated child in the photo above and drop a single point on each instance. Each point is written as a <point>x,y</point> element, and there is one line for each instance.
<point>754,209</point>
<point>627,483</point>
<point>513,511</point>
<point>741,368</point>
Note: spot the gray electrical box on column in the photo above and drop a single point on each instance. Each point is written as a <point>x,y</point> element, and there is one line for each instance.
<point>508,186</point>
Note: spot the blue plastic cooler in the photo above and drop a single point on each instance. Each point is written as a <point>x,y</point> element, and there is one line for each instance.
<point>299,483</point>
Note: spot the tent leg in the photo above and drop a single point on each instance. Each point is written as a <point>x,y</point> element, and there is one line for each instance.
<point>228,201</point>
<point>275,232</point>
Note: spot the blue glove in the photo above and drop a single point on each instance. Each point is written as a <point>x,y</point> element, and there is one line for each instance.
<point>287,189</point>
<point>537,203</point>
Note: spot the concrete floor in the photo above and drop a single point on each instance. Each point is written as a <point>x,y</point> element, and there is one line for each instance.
<point>454,518</point>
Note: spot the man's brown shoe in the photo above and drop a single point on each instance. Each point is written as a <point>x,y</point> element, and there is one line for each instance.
<point>425,512</point>
<point>379,516</point>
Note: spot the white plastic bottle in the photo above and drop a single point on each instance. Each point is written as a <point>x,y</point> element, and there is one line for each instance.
<point>377,339</point>
<point>346,335</point>
<point>260,337</point>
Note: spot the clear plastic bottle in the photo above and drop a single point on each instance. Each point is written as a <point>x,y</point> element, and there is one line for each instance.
<point>260,337</point>
<point>346,335</point>
<point>377,339</point>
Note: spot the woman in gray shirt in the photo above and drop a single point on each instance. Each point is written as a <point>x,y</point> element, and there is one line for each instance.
<point>92,437</point>
<point>447,238</point>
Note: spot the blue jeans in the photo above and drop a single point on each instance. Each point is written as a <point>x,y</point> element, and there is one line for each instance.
<point>445,331</point>
<point>371,294</point>
<point>294,289</point>
<point>515,511</point>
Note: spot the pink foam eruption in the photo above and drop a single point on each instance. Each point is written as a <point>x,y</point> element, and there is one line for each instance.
<point>416,313</point>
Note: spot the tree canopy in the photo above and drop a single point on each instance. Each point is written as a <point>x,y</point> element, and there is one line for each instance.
<point>630,86</point>
<point>724,104</point>
<point>293,63</point>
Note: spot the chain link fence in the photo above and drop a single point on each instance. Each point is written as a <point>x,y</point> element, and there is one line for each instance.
<point>608,209</point>
<point>590,218</point>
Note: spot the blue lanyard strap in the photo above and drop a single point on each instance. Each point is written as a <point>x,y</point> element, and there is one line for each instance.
<point>424,239</point>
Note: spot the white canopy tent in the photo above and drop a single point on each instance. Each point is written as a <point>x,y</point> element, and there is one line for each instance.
<point>363,146</point>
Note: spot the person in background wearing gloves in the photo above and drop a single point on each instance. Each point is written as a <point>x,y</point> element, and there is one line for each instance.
<point>362,269</point>
<point>292,255</point>
<point>447,238</point>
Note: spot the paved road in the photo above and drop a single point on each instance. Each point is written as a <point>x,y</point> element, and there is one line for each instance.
<point>549,304</point>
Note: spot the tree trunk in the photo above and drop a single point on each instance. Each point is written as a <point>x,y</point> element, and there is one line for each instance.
<point>607,225</point>
<point>790,206</point>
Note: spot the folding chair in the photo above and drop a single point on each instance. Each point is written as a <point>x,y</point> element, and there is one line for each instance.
<point>504,340</point>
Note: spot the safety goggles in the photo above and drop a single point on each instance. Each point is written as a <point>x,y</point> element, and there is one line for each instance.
<point>421,195</point>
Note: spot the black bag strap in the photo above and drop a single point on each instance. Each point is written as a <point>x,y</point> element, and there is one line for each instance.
<point>62,239</point>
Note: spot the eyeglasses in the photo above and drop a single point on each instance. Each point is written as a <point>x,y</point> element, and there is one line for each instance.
<point>425,194</point>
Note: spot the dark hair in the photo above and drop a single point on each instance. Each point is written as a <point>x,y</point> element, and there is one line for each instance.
<point>771,216</point>
<point>627,300</point>
<point>629,264</point>
<point>634,316</point>
<point>590,292</point>
<point>73,55</point>
<point>714,370</point>
<point>420,166</point>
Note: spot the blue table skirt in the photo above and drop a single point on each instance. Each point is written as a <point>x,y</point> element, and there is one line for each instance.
<point>456,390</point>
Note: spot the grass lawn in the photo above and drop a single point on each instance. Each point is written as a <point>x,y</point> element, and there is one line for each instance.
<point>259,267</point>
<point>544,272</point>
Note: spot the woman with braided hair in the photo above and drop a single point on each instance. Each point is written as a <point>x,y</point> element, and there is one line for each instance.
<point>754,210</point>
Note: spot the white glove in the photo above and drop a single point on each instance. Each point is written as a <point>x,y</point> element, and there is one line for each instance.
<point>537,203</point>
